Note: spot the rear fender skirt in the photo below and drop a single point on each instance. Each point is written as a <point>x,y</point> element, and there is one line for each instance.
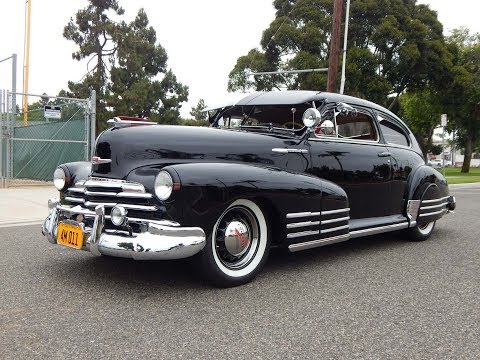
<point>427,195</point>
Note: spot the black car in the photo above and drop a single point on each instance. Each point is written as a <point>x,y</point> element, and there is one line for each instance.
<point>293,169</point>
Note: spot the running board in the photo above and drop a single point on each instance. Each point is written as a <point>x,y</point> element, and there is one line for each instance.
<point>353,234</point>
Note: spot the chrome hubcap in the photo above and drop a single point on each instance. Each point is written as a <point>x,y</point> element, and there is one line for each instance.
<point>236,237</point>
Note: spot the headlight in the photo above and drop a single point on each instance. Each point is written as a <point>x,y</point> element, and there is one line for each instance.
<point>59,179</point>
<point>163,185</point>
<point>118,216</point>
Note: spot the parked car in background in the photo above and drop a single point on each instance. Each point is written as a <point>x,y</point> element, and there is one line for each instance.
<point>435,163</point>
<point>293,169</point>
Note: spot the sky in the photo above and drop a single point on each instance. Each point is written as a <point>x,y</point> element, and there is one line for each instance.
<point>203,39</point>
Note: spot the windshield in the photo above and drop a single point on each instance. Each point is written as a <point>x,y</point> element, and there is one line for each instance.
<point>269,116</point>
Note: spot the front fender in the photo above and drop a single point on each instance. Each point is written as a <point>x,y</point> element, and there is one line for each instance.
<point>77,171</point>
<point>208,189</point>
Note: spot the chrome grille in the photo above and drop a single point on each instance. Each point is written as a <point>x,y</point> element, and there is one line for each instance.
<point>110,192</point>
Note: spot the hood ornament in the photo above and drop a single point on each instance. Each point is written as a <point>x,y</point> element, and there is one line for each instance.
<point>96,160</point>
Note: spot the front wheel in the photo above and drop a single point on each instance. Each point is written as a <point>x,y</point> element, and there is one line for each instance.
<point>238,245</point>
<point>421,232</point>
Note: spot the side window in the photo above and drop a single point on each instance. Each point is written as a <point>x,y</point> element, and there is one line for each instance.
<point>392,133</point>
<point>356,125</point>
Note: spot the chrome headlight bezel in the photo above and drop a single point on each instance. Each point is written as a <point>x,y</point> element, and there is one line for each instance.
<point>163,185</point>
<point>60,178</point>
<point>118,216</point>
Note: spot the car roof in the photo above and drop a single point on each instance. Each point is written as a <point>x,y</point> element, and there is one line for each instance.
<point>292,97</point>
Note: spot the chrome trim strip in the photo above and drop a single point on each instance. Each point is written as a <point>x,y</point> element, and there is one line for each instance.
<point>74,199</point>
<point>130,195</point>
<point>302,233</point>
<point>324,231</point>
<point>126,206</point>
<point>336,211</point>
<point>432,213</point>
<point>290,150</point>
<point>115,184</point>
<point>433,206</point>
<point>302,224</point>
<point>316,243</point>
<point>413,224</point>
<point>302,214</point>
<point>77,209</point>
<point>434,200</point>
<point>335,220</point>
<point>77,190</point>
<point>378,230</point>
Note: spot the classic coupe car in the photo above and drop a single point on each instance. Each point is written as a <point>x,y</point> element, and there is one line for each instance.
<point>293,169</point>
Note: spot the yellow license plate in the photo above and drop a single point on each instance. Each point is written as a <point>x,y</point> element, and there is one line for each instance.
<point>70,235</point>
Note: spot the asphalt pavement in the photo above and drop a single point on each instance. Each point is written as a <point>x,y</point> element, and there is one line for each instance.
<point>375,297</point>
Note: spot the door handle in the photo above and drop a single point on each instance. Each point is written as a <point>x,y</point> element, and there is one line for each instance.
<point>384,154</point>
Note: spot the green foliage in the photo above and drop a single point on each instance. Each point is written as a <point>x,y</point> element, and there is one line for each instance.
<point>130,76</point>
<point>393,45</point>
<point>198,112</point>
<point>462,95</point>
<point>421,110</point>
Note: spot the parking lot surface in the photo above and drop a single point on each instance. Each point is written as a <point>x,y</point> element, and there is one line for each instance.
<point>375,297</point>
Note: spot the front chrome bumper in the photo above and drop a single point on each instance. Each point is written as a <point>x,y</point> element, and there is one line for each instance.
<point>160,240</point>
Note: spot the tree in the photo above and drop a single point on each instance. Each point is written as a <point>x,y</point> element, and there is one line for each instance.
<point>393,45</point>
<point>130,74</point>
<point>134,88</point>
<point>92,31</point>
<point>422,110</point>
<point>462,96</point>
<point>198,112</point>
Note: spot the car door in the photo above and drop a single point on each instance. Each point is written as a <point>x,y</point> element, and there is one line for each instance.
<point>354,158</point>
<point>403,159</point>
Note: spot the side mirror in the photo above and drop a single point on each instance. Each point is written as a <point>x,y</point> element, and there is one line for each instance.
<point>311,117</point>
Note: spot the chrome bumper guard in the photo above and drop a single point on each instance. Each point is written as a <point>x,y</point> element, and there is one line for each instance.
<point>161,240</point>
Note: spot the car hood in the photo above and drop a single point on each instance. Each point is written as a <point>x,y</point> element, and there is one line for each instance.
<point>133,147</point>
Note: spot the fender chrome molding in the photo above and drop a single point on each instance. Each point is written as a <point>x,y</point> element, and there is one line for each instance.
<point>316,243</point>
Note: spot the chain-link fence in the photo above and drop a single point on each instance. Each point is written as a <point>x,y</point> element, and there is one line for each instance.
<point>53,131</point>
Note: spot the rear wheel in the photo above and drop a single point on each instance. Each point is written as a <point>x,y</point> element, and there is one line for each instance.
<point>421,232</point>
<point>238,245</point>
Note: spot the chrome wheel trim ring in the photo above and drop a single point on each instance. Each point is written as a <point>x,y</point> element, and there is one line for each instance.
<point>236,237</point>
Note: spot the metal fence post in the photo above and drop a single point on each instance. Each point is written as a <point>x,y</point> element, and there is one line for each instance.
<point>7,140</point>
<point>93,115</point>
<point>1,137</point>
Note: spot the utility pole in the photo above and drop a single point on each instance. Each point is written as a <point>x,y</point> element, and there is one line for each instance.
<point>334,46</point>
<point>345,37</point>
<point>27,63</point>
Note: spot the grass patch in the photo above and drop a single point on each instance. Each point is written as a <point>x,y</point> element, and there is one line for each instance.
<point>454,176</point>
<point>451,171</point>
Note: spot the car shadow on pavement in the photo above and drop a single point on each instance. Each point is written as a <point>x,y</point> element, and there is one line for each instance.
<point>112,273</point>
